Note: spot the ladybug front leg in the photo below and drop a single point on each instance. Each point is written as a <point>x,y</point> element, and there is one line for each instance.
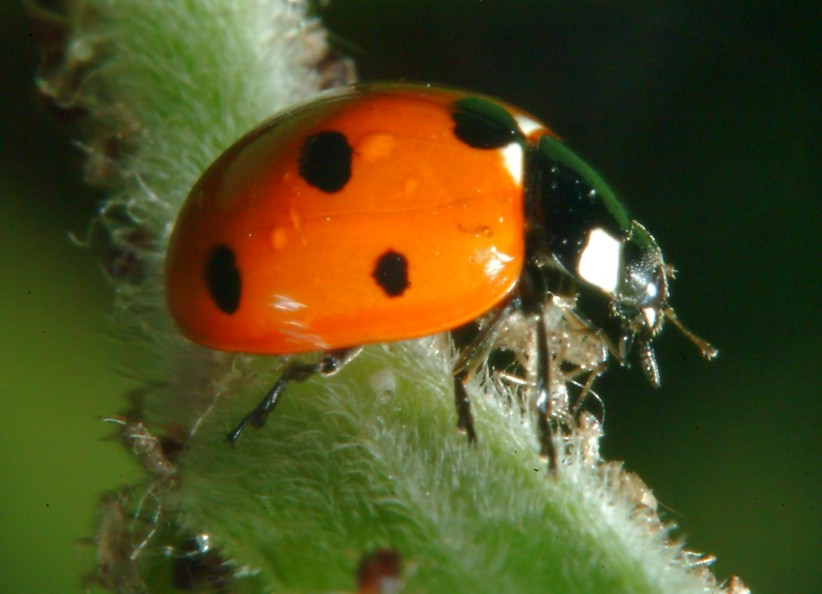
<point>329,364</point>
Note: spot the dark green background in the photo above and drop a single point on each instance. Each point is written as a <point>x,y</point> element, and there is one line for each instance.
<point>707,118</point>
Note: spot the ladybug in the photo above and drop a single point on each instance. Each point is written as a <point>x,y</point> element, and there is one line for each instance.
<point>384,212</point>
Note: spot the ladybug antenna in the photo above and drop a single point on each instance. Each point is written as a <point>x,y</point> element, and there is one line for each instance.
<point>709,351</point>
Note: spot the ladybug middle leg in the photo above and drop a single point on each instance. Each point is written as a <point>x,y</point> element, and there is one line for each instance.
<point>470,358</point>
<point>329,364</point>
<point>533,292</point>
<point>544,403</point>
<point>476,351</point>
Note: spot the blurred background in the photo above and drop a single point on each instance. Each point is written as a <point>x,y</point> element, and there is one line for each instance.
<point>705,116</point>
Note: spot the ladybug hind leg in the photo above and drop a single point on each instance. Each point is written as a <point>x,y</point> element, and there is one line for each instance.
<point>329,364</point>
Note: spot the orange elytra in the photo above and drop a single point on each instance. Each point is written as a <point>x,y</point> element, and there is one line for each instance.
<point>357,218</point>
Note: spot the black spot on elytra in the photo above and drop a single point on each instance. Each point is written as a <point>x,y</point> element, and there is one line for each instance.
<point>391,273</point>
<point>483,124</point>
<point>223,279</point>
<point>325,162</point>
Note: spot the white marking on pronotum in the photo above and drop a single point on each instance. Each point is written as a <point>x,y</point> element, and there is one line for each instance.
<point>600,261</point>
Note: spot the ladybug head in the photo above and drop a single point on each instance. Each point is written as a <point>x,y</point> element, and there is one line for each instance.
<point>640,301</point>
<point>577,222</point>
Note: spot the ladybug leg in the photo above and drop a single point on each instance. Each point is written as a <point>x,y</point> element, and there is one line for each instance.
<point>543,394</point>
<point>259,414</point>
<point>469,360</point>
<point>587,388</point>
<point>329,364</point>
<point>465,419</point>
